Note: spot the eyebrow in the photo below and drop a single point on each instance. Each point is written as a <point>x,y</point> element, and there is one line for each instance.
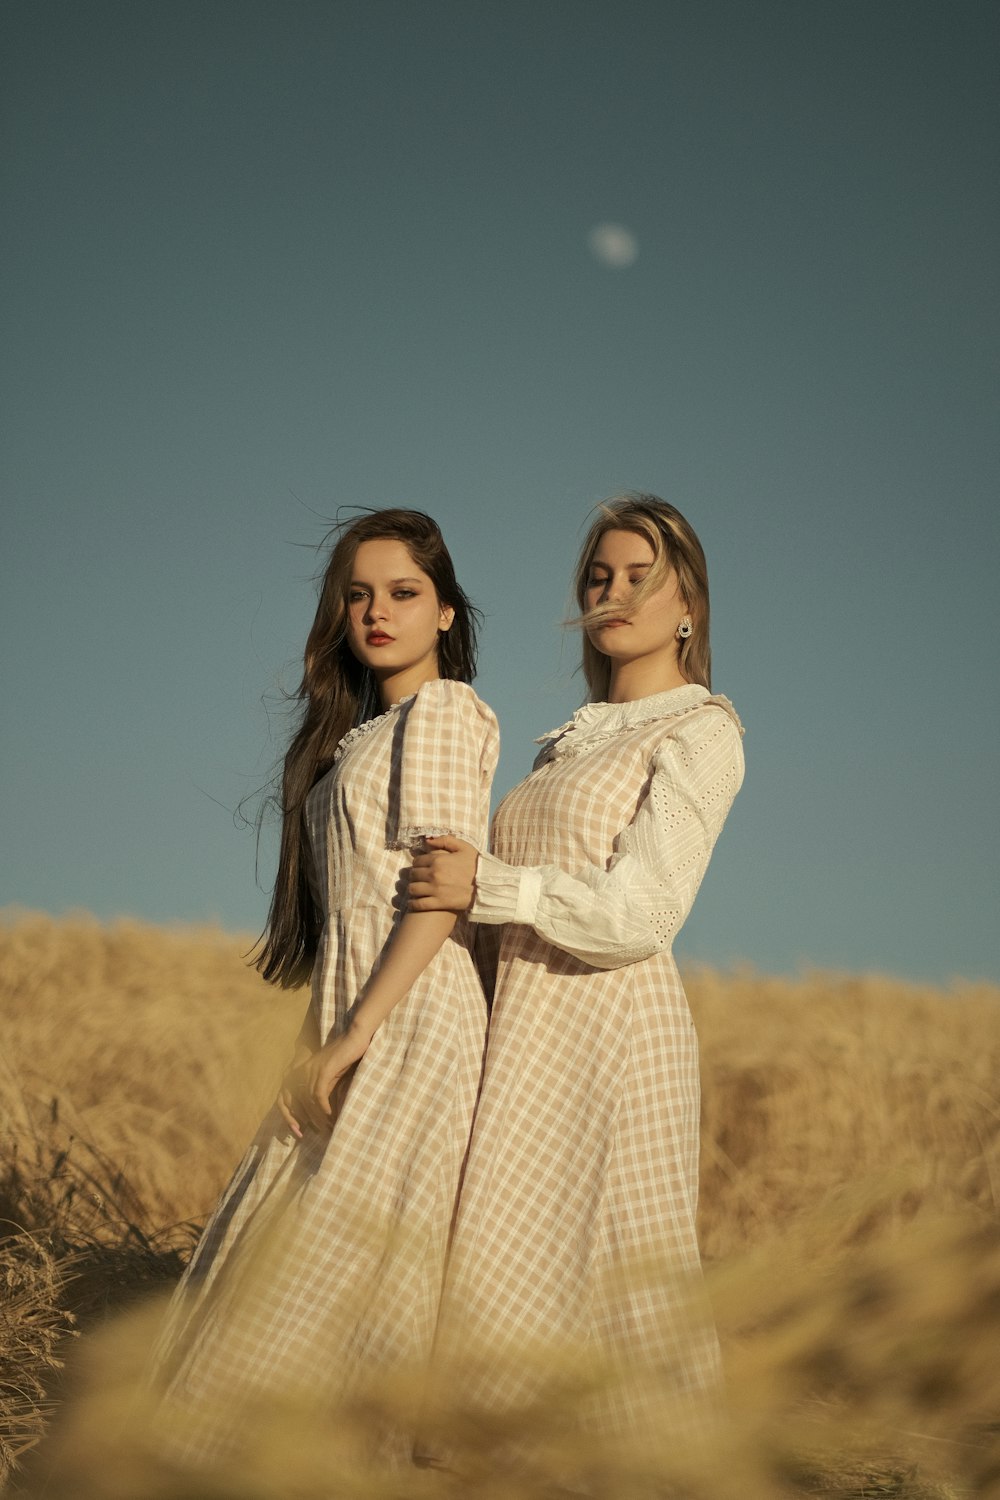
<point>608,568</point>
<point>358,583</point>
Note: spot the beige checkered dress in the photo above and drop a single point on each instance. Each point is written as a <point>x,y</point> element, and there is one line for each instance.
<point>322,1264</point>
<point>576,1222</point>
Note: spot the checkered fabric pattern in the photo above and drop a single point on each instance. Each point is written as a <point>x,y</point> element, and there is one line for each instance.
<point>576,1222</point>
<point>322,1264</point>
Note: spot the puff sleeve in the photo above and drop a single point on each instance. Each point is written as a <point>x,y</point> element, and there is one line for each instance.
<point>448,754</point>
<point>636,906</point>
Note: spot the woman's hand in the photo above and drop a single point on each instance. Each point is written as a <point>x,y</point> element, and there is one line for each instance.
<point>442,876</point>
<point>324,1070</point>
<point>291,1093</point>
<point>312,1076</point>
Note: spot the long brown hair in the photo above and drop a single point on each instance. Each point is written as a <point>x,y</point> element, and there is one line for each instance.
<point>675,546</point>
<point>337,692</point>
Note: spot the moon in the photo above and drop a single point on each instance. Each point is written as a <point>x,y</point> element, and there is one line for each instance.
<point>613,246</point>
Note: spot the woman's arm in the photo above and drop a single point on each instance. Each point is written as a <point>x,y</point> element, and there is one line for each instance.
<point>582,913</point>
<point>632,909</point>
<point>312,1081</point>
<point>447,756</point>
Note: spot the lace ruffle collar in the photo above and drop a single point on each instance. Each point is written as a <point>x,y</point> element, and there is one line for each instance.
<point>365,728</point>
<point>603,720</point>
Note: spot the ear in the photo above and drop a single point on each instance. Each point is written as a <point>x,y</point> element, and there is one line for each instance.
<point>446,617</point>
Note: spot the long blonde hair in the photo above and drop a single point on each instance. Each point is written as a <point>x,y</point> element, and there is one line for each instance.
<point>675,546</point>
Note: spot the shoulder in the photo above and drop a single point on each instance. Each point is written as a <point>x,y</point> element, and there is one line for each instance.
<point>705,740</point>
<point>443,698</point>
<point>713,718</point>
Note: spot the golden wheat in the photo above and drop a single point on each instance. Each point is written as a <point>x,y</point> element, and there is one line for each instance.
<point>851,1167</point>
<point>824,1089</point>
<point>159,1048</point>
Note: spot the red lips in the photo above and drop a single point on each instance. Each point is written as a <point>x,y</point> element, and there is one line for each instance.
<point>378,638</point>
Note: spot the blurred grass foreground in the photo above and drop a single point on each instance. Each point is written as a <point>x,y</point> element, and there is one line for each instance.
<point>849,1223</point>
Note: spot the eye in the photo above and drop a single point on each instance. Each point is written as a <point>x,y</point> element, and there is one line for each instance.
<point>596,581</point>
<point>355,596</point>
<point>404,594</point>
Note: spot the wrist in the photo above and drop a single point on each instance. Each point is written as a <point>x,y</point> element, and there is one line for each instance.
<point>500,893</point>
<point>360,1032</point>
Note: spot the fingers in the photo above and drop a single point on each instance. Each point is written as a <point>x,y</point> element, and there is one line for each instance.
<point>430,865</point>
<point>401,893</point>
<point>289,1118</point>
<point>321,1102</point>
<point>422,888</point>
<point>444,841</point>
<point>322,1076</point>
<point>322,1082</point>
<point>307,1100</point>
<point>317,1107</point>
<point>425,892</point>
<point>315,1117</point>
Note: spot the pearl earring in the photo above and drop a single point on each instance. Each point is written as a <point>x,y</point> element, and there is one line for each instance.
<point>685,627</point>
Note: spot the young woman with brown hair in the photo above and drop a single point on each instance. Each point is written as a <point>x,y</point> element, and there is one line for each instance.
<point>576,1223</point>
<point>322,1264</point>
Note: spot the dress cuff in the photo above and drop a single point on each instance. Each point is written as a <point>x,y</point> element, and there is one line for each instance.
<point>504,893</point>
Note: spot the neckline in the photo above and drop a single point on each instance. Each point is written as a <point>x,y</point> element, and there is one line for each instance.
<point>602,721</point>
<point>367,725</point>
<point>641,710</point>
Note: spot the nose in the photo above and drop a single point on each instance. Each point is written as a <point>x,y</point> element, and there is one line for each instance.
<point>376,609</point>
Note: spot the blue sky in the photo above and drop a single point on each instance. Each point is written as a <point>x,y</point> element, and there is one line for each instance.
<point>261,261</point>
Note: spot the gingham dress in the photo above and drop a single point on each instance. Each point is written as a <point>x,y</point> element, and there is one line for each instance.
<point>322,1264</point>
<point>576,1223</point>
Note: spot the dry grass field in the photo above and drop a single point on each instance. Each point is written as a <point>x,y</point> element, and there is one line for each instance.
<point>849,1219</point>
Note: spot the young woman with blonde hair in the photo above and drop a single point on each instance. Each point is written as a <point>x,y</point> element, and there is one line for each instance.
<point>322,1265</point>
<point>576,1223</point>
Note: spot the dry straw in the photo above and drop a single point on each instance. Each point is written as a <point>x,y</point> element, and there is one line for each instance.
<point>849,1210</point>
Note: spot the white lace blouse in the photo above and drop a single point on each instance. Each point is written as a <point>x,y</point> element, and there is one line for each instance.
<point>633,907</point>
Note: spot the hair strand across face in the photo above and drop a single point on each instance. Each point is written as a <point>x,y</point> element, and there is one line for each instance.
<point>675,546</point>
